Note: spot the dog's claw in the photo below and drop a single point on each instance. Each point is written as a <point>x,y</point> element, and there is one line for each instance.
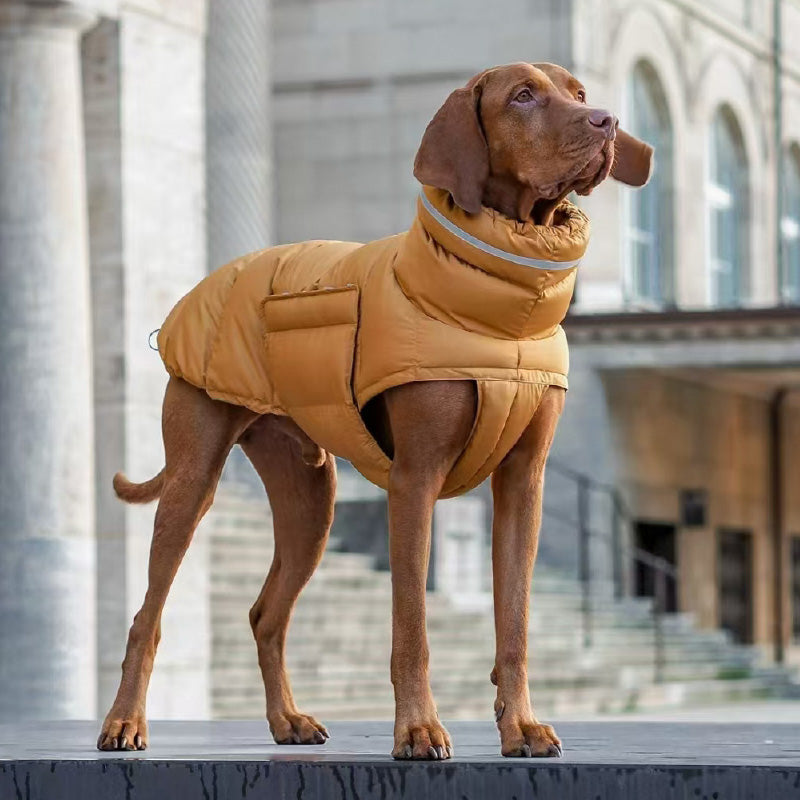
<point>319,737</point>
<point>555,751</point>
<point>407,751</point>
<point>433,753</point>
<point>449,752</point>
<point>526,751</point>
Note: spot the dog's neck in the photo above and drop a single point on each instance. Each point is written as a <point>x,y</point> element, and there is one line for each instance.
<point>520,201</point>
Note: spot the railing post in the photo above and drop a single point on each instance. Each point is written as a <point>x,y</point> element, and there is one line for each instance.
<point>616,545</point>
<point>585,567</point>
<point>659,606</point>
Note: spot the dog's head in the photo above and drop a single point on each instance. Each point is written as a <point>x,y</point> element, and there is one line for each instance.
<point>521,137</point>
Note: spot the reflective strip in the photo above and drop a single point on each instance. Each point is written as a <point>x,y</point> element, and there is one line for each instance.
<point>538,263</point>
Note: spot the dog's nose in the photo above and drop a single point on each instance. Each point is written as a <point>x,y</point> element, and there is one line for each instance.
<point>604,120</point>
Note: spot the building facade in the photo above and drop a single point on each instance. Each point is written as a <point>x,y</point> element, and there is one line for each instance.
<point>684,335</point>
<point>108,148</point>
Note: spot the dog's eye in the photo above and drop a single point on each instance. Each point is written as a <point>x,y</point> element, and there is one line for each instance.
<point>581,95</point>
<point>525,96</point>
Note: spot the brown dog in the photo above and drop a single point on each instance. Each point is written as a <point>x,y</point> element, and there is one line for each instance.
<point>517,139</point>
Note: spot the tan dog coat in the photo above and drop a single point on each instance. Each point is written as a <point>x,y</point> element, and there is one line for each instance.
<point>315,330</point>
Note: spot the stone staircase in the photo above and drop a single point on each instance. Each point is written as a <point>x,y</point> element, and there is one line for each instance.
<point>339,641</point>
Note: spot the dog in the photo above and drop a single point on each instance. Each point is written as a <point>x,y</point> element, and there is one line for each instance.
<point>480,284</point>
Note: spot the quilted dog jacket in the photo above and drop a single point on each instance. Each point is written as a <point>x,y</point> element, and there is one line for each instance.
<point>314,330</point>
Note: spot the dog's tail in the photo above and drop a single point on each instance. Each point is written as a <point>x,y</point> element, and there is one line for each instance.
<point>139,492</point>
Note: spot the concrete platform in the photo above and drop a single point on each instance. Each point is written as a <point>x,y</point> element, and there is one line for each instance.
<point>225,760</point>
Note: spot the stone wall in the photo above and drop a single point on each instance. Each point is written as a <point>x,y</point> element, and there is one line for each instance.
<point>356,83</point>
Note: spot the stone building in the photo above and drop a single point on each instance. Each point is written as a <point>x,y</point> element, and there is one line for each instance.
<point>143,142</point>
<point>685,334</point>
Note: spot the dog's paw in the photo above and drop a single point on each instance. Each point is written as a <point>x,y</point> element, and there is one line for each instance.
<point>528,739</point>
<point>296,728</point>
<point>123,732</point>
<point>428,741</point>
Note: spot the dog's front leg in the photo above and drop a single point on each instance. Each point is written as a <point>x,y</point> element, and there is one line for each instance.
<point>517,487</point>
<point>430,424</point>
<point>417,731</point>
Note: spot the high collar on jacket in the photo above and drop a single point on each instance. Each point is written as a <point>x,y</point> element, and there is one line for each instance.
<point>488,273</point>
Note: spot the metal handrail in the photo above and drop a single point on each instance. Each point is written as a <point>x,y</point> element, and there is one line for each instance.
<point>662,570</point>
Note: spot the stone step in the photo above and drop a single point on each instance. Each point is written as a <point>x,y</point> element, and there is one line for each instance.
<point>311,620</point>
<point>548,702</point>
<point>464,678</point>
<point>323,643</point>
<point>323,633</point>
<point>340,640</point>
<point>341,667</point>
<point>344,593</point>
<point>602,698</point>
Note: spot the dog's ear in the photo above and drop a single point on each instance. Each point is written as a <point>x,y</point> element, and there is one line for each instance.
<point>633,160</point>
<point>453,154</point>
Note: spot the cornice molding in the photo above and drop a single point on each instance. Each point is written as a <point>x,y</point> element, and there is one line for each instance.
<point>674,325</point>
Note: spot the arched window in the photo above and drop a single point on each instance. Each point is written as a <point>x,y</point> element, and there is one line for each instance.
<point>790,227</point>
<point>728,209</point>
<point>649,226</point>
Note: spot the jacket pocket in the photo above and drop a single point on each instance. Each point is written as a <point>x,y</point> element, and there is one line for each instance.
<point>310,340</point>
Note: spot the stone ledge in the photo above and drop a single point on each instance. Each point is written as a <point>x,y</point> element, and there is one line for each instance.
<point>223,760</point>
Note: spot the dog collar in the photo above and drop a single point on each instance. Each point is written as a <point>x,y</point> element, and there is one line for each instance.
<point>485,247</point>
<point>520,252</point>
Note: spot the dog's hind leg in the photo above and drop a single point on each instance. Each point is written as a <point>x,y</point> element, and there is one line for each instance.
<point>301,496</point>
<point>198,435</point>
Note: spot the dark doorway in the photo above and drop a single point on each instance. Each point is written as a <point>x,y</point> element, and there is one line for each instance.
<point>735,582</point>
<point>795,587</point>
<point>360,526</point>
<point>657,539</point>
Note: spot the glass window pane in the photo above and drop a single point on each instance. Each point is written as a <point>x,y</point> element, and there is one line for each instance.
<point>790,228</point>
<point>649,225</point>
<point>728,209</point>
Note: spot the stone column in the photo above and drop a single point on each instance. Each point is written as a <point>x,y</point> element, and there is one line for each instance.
<point>47,602</point>
<point>238,126</point>
<point>238,94</point>
<point>238,109</point>
<point>143,99</point>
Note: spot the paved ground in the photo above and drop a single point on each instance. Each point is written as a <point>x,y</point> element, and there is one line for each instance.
<point>764,711</point>
<point>593,742</point>
<point>218,760</point>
